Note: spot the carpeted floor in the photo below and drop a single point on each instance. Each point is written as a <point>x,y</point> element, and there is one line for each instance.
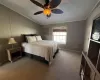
<point>65,67</point>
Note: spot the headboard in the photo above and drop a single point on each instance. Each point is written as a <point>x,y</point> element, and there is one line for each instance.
<point>24,36</point>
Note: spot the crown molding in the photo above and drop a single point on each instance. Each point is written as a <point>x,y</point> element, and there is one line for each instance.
<point>96,5</point>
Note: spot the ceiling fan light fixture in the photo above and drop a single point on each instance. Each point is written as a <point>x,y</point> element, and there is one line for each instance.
<point>47,12</point>
<point>48,8</point>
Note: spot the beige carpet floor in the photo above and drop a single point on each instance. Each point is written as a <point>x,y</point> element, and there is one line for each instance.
<point>64,67</point>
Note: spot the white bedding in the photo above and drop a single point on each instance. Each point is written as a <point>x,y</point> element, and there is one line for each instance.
<point>43,48</point>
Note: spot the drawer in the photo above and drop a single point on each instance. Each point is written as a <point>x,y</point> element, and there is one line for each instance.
<point>13,50</point>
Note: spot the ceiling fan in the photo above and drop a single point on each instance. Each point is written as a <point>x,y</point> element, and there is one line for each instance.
<point>49,7</point>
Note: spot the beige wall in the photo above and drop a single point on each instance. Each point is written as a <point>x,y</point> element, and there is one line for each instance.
<point>75,34</point>
<point>13,24</point>
<point>93,15</point>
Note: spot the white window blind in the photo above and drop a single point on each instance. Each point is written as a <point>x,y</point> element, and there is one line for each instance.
<point>59,35</point>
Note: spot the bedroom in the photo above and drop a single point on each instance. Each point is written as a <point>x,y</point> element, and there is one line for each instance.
<point>17,18</point>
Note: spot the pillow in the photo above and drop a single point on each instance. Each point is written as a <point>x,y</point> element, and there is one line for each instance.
<point>31,39</point>
<point>24,38</point>
<point>38,38</point>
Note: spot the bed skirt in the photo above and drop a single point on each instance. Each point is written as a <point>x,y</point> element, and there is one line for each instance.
<point>38,58</point>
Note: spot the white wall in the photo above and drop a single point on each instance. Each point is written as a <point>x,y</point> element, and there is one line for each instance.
<point>13,24</point>
<point>75,34</point>
<point>89,22</point>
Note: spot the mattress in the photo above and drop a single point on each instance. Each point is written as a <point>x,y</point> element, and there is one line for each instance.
<point>43,48</point>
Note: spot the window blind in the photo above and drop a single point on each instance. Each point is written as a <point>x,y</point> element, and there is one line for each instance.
<point>59,30</point>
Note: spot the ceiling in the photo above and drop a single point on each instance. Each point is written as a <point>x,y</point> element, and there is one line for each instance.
<point>74,10</point>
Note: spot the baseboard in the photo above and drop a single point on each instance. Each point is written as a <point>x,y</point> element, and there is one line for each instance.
<point>71,50</point>
<point>4,62</point>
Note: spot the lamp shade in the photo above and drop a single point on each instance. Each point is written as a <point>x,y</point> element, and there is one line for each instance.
<point>12,41</point>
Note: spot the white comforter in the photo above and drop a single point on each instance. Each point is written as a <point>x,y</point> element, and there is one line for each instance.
<point>43,48</point>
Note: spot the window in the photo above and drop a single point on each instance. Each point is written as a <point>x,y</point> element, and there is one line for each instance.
<point>59,35</point>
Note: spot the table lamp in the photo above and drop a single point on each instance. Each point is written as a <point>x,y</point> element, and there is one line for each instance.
<point>12,41</point>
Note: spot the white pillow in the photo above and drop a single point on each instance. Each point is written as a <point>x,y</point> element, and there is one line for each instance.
<point>31,39</point>
<point>38,38</point>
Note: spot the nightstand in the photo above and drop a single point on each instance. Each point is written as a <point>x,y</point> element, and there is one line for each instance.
<point>14,53</point>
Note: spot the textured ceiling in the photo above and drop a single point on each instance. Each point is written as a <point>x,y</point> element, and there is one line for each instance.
<point>74,10</point>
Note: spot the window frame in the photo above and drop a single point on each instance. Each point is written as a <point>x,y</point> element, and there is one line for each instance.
<point>65,35</point>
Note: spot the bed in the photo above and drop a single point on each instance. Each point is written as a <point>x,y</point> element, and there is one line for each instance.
<point>45,49</point>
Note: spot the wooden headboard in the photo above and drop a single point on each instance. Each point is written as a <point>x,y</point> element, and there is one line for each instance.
<point>24,36</point>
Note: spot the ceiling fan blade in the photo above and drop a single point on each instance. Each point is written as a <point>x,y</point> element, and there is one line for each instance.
<point>54,3</point>
<point>57,11</point>
<point>37,3</point>
<point>39,12</point>
<point>47,1</point>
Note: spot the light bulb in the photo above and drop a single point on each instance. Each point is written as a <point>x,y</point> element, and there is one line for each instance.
<point>47,11</point>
